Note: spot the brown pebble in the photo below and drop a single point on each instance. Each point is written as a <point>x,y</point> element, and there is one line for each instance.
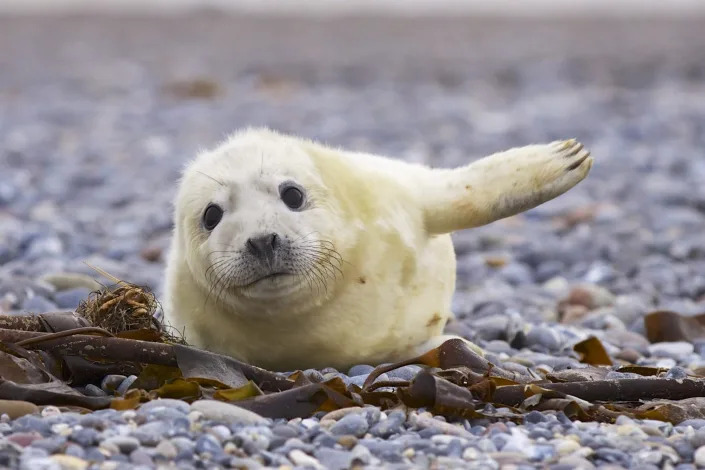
<point>628,354</point>
<point>16,408</point>
<point>151,253</point>
<point>347,441</point>
<point>580,296</point>
<point>495,261</point>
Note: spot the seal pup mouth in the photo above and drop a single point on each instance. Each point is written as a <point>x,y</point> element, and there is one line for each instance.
<point>271,276</point>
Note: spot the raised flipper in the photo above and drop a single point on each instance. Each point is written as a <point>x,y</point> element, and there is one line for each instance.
<point>502,185</point>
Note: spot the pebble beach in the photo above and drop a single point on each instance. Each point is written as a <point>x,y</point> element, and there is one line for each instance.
<point>99,114</point>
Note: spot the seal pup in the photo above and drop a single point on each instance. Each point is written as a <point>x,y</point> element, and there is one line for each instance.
<point>289,254</point>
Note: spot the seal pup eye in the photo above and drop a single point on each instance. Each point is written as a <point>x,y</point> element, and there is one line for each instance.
<point>211,216</point>
<point>292,196</point>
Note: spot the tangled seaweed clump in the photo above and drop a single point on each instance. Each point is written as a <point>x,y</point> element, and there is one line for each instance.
<point>125,307</point>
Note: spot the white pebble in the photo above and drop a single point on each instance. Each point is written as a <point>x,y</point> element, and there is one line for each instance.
<point>49,411</point>
<point>699,456</point>
<point>299,457</point>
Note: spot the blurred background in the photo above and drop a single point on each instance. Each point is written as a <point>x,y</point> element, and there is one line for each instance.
<point>102,102</point>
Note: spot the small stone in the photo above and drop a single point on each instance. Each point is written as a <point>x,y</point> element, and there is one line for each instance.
<point>353,424</point>
<point>141,457</point>
<point>183,444</point>
<point>85,437</point>
<point>124,444</point>
<point>313,375</point>
<point>699,456</point>
<point>94,391</point>
<point>166,449</point>
<point>628,354</point>
<point>591,296</point>
<point>671,349</point>
<point>17,408</point>
<point>38,304</point>
<point>39,463</point>
<point>68,462</point>
<point>74,450</point>
<point>534,417</point>
<point>125,385</point>
<point>51,444</point>
<point>361,369</point>
<point>32,423</point>
<point>50,411</point>
<point>302,459</point>
<point>151,433</point>
<point>24,438</point>
<point>347,441</point>
<point>335,415</point>
<point>334,459</point>
<point>394,424</point>
<point>544,336</point>
<point>221,411</point>
<point>222,433</point>
<point>208,444</point>
<point>676,373</point>
<point>404,373</point>
<point>110,383</point>
<point>71,298</point>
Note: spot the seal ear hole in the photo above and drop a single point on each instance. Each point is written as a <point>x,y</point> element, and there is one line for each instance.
<point>212,216</point>
<point>292,195</point>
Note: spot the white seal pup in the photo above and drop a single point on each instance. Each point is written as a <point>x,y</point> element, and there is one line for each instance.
<point>288,254</point>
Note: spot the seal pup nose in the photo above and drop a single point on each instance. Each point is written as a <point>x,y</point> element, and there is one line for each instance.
<point>263,246</point>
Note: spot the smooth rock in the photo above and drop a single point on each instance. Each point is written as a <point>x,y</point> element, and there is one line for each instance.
<point>17,408</point>
<point>221,411</point>
<point>68,462</point>
<point>71,298</point>
<point>38,304</point>
<point>353,424</point>
<point>671,349</point>
<point>301,459</point>
<point>361,369</point>
<point>699,456</point>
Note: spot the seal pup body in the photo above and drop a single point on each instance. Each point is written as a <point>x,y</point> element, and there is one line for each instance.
<point>288,254</point>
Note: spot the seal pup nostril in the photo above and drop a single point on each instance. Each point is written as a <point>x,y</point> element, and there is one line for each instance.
<point>263,246</point>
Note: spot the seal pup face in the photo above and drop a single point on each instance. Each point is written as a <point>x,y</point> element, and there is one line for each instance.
<point>256,225</point>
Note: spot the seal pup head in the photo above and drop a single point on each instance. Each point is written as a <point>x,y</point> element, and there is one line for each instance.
<point>255,227</point>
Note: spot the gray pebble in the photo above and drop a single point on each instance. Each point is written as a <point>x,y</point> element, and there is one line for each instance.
<point>334,459</point>
<point>94,391</point>
<point>70,299</point>
<point>544,337</point>
<point>394,424</point>
<point>37,304</point>
<point>208,444</point>
<point>85,437</point>
<point>141,457</point>
<point>362,369</point>
<point>404,373</point>
<point>354,424</point>
<point>672,350</point>
<point>125,385</point>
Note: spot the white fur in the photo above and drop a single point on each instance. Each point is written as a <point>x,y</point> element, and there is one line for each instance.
<point>385,291</point>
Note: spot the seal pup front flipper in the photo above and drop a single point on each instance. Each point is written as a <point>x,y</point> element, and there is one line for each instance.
<point>503,184</point>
